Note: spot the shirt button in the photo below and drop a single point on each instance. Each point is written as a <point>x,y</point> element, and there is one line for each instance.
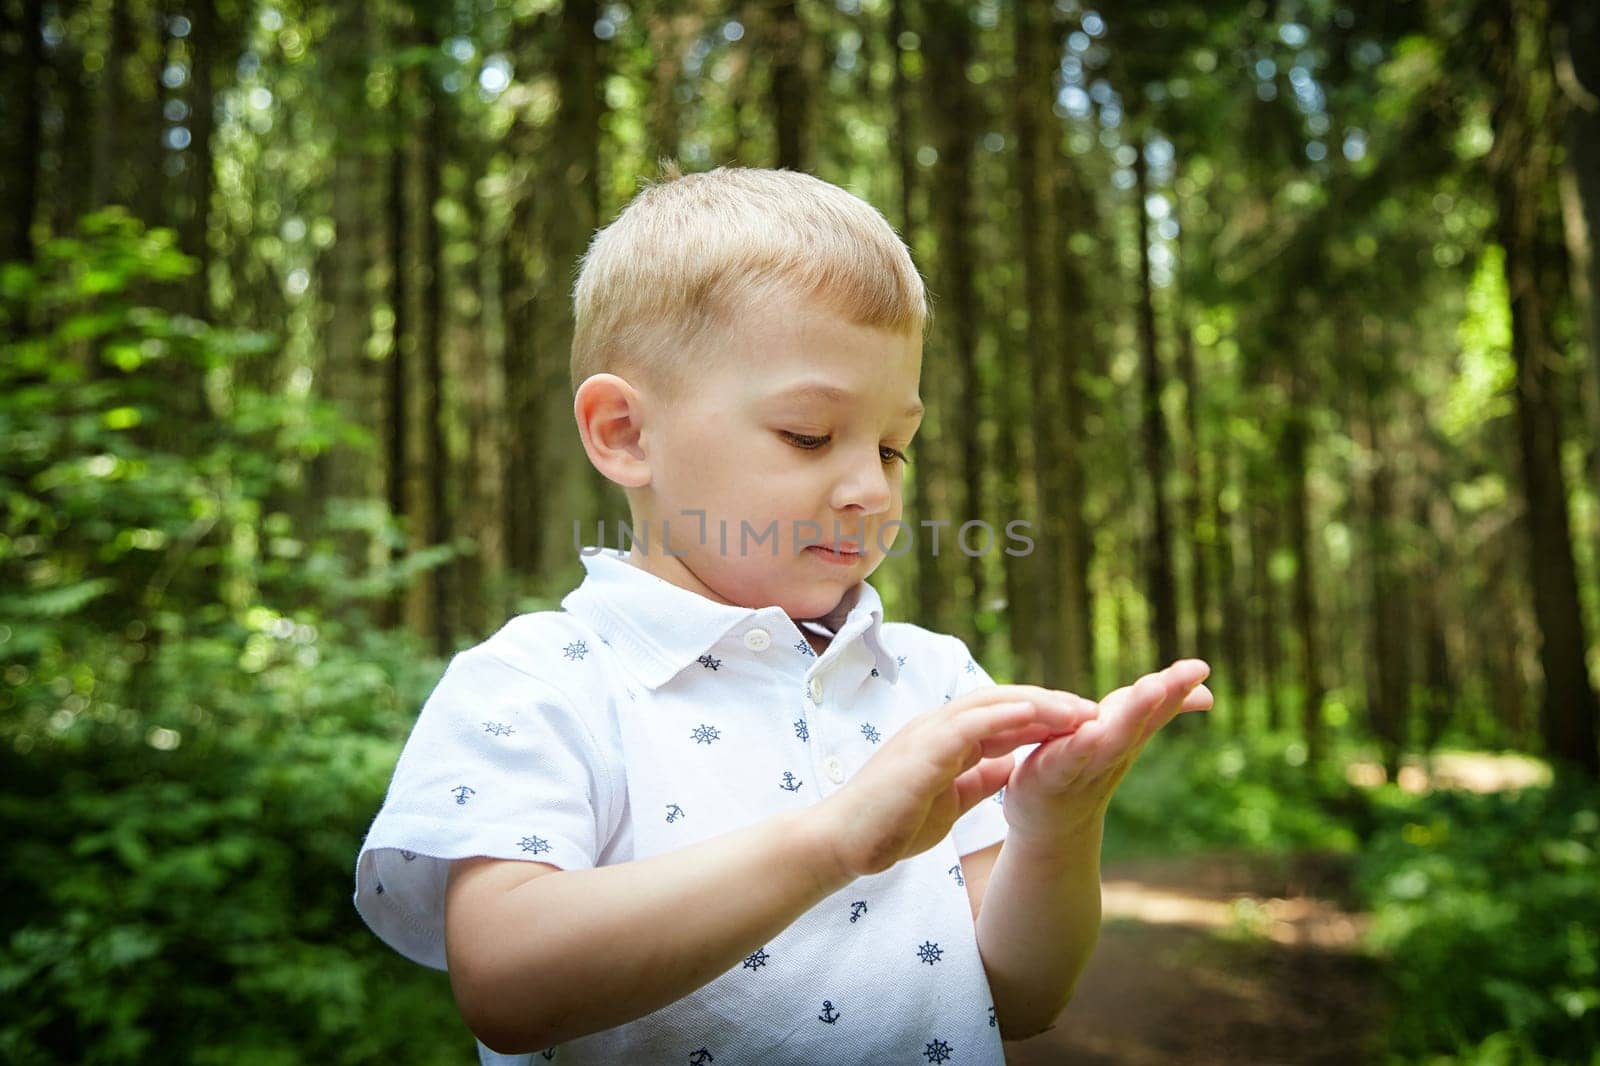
<point>758,640</point>
<point>835,769</point>
<point>815,688</point>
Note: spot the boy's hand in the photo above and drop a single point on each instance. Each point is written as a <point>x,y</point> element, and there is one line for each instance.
<point>1067,782</point>
<point>933,770</point>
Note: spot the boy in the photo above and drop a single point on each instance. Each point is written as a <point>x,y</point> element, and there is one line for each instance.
<point>716,809</point>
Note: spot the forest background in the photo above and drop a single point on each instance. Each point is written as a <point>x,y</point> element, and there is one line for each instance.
<point>1278,320</point>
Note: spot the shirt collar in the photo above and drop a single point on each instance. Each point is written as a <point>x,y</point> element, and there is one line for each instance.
<point>661,628</point>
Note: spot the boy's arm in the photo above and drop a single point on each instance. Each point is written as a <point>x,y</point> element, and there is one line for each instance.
<point>975,867</point>
<point>1041,913</point>
<point>1038,926</point>
<point>536,959</point>
<point>538,955</point>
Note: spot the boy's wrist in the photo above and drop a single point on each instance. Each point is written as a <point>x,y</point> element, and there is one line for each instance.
<point>1065,844</point>
<point>809,834</point>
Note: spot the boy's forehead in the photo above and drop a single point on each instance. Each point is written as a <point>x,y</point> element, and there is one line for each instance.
<point>818,389</point>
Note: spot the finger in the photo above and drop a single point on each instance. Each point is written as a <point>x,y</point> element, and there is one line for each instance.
<point>1035,733</point>
<point>1198,699</point>
<point>1061,712</point>
<point>1128,711</point>
<point>983,780</point>
<point>1011,693</point>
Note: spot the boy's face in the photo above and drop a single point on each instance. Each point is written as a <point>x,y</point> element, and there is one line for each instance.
<point>795,426</point>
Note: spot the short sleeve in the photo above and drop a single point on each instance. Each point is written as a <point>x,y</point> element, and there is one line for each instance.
<point>498,764</point>
<point>984,824</point>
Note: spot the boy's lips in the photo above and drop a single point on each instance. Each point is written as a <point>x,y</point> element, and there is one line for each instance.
<point>843,552</point>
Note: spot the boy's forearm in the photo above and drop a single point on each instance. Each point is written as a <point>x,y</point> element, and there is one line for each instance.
<point>580,951</point>
<point>1038,925</point>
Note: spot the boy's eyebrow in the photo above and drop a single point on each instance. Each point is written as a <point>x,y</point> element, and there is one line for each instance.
<point>817,390</point>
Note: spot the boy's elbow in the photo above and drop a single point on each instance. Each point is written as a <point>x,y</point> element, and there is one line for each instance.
<point>501,1026</point>
<point>496,998</point>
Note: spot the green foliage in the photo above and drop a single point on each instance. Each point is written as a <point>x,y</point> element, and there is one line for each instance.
<point>192,743</point>
<point>1485,907</point>
<point>1195,790</point>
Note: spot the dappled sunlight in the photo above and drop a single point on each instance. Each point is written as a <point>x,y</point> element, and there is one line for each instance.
<point>1299,921</point>
<point>1472,771</point>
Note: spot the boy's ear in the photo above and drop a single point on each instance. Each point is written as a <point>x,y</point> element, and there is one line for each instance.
<point>610,418</point>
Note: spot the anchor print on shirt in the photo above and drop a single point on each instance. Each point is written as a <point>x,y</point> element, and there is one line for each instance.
<point>790,782</point>
<point>461,792</point>
<point>991,1015</point>
<point>857,909</point>
<point>705,734</point>
<point>709,663</point>
<point>900,660</point>
<point>498,729</point>
<point>757,959</point>
<point>938,1051</point>
<point>674,812</point>
<point>929,952</point>
<point>971,667</point>
<point>828,1014</point>
<point>955,872</point>
<point>804,648</point>
<point>701,1057</point>
<point>1000,796</point>
<point>576,650</point>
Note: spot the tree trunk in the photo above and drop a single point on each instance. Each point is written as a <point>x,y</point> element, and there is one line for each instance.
<point>208,53</point>
<point>1067,491</point>
<point>570,483</point>
<point>1263,538</point>
<point>667,32</point>
<point>948,47</point>
<point>21,137</point>
<point>790,94</point>
<point>1199,503</point>
<point>343,471</point>
<point>1389,681</point>
<point>110,111</point>
<point>1295,458</point>
<point>1159,581</point>
<point>1234,634</point>
<point>1575,37</point>
<point>1520,170</point>
<point>439,613</point>
<point>1031,579</point>
<point>926,486</point>
<point>397,417</point>
<point>522,258</point>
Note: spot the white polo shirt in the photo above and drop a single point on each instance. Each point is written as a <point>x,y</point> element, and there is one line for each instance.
<point>642,718</point>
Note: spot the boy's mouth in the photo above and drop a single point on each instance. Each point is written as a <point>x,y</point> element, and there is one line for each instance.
<point>844,552</point>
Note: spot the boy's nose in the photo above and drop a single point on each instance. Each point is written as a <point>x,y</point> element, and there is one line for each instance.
<point>864,486</point>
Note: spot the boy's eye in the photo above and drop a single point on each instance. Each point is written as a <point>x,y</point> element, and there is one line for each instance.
<point>802,440</point>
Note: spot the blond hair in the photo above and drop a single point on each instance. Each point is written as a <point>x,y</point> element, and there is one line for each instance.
<point>691,253</point>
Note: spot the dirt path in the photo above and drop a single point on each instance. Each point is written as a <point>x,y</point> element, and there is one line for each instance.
<point>1219,959</point>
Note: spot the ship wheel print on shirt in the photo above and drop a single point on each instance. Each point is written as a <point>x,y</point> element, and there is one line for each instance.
<point>938,1051</point>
